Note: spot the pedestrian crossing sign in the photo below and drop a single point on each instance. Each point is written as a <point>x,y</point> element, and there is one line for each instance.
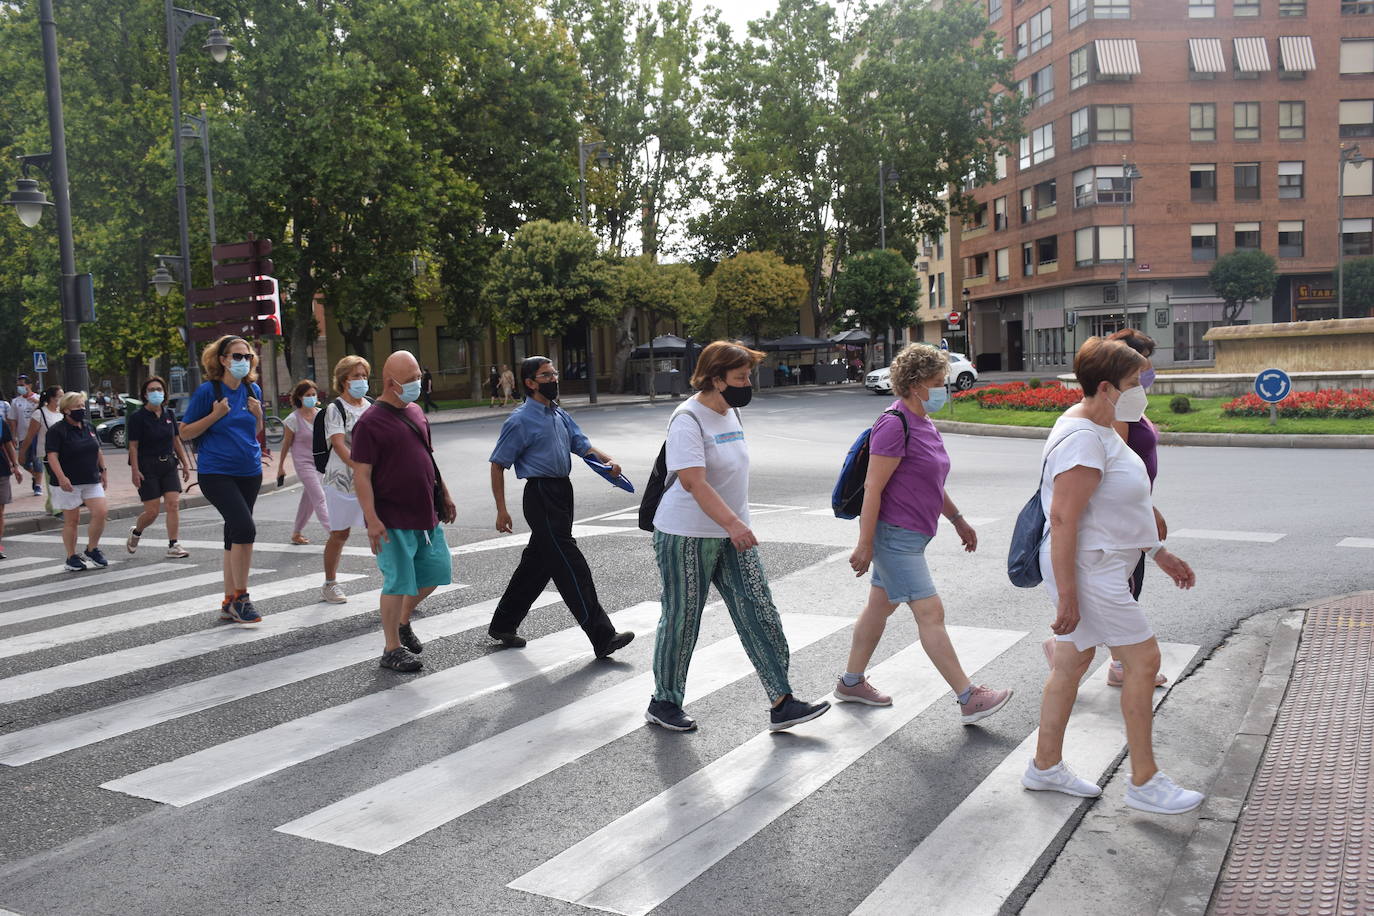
<point>40,361</point>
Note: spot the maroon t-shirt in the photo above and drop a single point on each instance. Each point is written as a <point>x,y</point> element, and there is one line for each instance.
<point>402,474</point>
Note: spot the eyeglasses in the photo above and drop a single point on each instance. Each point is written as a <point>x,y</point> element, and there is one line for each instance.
<point>547,376</point>
<point>240,357</point>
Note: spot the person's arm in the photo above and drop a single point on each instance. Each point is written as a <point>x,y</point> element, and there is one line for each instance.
<point>136,475</point>
<point>255,406</point>
<point>880,471</point>
<point>34,426</point>
<point>194,429</point>
<point>362,488</point>
<point>498,493</point>
<point>693,480</point>
<point>182,458</point>
<point>1072,490</point>
<point>967,535</point>
<point>287,438</point>
<point>55,463</point>
<point>14,460</point>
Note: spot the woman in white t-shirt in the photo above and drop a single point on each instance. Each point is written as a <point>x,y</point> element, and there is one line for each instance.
<point>299,444</point>
<point>1099,519</point>
<point>702,536</point>
<point>340,500</point>
<point>44,418</point>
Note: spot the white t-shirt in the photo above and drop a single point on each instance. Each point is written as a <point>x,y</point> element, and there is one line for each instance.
<point>1119,514</point>
<point>338,475</point>
<point>717,445</point>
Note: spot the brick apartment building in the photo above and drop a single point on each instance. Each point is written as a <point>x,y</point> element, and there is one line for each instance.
<point>1232,113</point>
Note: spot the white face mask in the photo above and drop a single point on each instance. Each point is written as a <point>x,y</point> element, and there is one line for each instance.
<point>1130,407</point>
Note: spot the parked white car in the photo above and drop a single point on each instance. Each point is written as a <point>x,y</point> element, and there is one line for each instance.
<point>961,376</point>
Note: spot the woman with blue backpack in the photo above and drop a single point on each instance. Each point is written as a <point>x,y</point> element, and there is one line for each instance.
<point>903,499</point>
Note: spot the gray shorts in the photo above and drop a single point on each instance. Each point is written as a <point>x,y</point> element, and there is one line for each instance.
<point>5,496</point>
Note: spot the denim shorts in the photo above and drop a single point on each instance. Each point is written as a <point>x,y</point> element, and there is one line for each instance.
<point>899,564</point>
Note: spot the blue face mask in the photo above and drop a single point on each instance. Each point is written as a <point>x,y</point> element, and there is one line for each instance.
<point>410,391</point>
<point>938,398</point>
<point>23,390</point>
<point>310,400</point>
<point>240,368</point>
<point>358,387</point>
<point>155,398</point>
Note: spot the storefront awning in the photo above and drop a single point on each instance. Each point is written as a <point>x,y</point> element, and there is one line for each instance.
<point>1295,53</point>
<point>1207,55</point>
<point>1117,56</point>
<point>1252,55</point>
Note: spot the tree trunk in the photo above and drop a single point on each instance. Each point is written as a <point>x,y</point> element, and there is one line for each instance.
<point>302,322</point>
<point>474,369</point>
<point>624,346</point>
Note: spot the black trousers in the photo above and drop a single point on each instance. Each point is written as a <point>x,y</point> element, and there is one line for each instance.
<point>233,497</point>
<point>552,553</point>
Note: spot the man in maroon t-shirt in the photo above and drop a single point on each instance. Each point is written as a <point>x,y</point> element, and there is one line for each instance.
<point>395,478</point>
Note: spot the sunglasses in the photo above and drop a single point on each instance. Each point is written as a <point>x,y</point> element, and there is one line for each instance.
<point>240,357</point>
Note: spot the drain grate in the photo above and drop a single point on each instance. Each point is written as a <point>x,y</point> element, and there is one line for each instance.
<point>1305,840</point>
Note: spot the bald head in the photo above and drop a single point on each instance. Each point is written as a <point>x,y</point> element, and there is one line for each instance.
<point>399,369</point>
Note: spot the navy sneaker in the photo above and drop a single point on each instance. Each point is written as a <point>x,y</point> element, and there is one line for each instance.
<point>241,610</point>
<point>400,659</point>
<point>670,716</point>
<point>96,557</point>
<point>792,711</point>
<point>410,640</point>
<point>75,564</point>
<point>618,641</point>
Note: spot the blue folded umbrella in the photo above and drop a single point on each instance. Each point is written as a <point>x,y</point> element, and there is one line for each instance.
<point>619,480</point>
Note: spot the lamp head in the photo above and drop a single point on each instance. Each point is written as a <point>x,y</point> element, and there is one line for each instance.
<point>603,157</point>
<point>217,45</point>
<point>163,281</point>
<point>28,201</point>
<point>891,177</point>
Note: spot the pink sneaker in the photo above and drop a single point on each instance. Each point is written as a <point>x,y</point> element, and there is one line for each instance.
<point>862,692</point>
<point>983,702</point>
<point>1116,675</point>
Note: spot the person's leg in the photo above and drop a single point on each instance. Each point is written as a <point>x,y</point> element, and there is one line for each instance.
<point>333,551</point>
<point>393,607</point>
<point>564,560</point>
<point>685,567</point>
<point>740,579</point>
<point>1056,704</point>
<point>1141,661</point>
<point>303,510</point>
<point>314,485</point>
<point>868,629</point>
<point>930,622</point>
<point>70,519</point>
<point>99,509</point>
<point>147,516</point>
<point>529,579</point>
<point>411,602</point>
<point>173,502</point>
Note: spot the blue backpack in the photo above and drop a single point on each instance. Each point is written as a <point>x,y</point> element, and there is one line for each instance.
<point>847,499</point>
<point>1028,534</point>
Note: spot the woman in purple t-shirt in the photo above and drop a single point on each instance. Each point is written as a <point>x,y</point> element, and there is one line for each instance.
<point>904,497</point>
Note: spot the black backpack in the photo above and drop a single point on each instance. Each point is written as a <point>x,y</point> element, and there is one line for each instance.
<point>320,446</point>
<point>847,499</point>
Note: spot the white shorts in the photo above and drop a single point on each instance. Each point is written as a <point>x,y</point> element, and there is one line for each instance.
<point>81,492</point>
<point>1107,614</point>
<point>344,511</point>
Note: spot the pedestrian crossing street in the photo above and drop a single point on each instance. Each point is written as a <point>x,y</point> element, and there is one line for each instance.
<point>632,860</point>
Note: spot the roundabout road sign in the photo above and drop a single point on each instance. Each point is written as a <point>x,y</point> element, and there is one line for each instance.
<point>1273,385</point>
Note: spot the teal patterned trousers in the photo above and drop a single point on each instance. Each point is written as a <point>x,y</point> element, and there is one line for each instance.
<point>688,567</point>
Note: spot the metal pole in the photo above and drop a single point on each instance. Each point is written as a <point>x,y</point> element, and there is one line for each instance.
<point>1125,202</point>
<point>209,182</point>
<point>75,376</point>
<point>173,47</point>
<point>882,209</point>
<point>581,178</point>
<point>1340,235</point>
<point>591,347</point>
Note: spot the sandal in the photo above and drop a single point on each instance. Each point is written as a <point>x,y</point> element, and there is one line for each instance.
<point>299,539</point>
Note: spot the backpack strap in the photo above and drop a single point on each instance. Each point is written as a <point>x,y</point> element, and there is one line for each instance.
<point>672,475</point>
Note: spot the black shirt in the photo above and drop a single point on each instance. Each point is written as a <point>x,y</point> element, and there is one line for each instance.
<point>153,433</point>
<point>5,436</point>
<point>78,448</point>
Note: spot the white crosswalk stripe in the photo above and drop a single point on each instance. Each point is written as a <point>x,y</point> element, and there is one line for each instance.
<point>103,598</point>
<point>1002,826</point>
<point>399,810</point>
<point>217,547</point>
<point>1366,543</point>
<point>53,568</point>
<point>91,578</point>
<point>217,769</point>
<point>15,562</point>
<point>1207,534</point>
<point>640,860</point>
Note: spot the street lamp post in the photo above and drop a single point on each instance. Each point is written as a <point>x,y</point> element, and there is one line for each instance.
<point>1129,174</point>
<point>179,22</point>
<point>586,148</point>
<point>198,128</point>
<point>885,178</point>
<point>29,202</point>
<point>1350,155</point>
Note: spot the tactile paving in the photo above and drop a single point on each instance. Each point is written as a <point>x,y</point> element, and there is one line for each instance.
<point>1304,843</point>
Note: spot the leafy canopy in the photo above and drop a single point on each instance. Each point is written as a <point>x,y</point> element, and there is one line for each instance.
<point>1240,277</point>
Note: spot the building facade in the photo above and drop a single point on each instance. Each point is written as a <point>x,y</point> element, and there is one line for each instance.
<point>1162,135</point>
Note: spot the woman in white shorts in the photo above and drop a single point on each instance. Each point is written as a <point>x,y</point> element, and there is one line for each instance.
<point>77,468</point>
<point>1100,518</point>
<point>341,502</point>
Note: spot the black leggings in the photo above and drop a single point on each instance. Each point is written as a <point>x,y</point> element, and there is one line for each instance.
<point>234,498</point>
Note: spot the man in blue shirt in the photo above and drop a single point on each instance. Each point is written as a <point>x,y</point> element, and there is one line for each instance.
<point>539,438</point>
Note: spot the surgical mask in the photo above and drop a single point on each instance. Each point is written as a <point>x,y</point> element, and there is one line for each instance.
<point>240,368</point>
<point>78,415</point>
<point>549,390</point>
<point>939,396</point>
<point>310,400</point>
<point>738,395</point>
<point>1130,407</point>
<point>155,398</point>
<point>23,389</point>
<point>357,388</point>
<point>1147,378</point>
<point>410,391</point>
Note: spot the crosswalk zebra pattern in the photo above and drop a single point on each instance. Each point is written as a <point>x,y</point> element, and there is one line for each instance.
<point>632,862</point>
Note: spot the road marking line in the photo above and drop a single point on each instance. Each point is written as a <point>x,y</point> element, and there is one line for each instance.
<point>54,569</point>
<point>188,645</point>
<point>769,508</point>
<point>1367,543</point>
<point>225,766</point>
<point>641,859</point>
<point>1258,537</point>
<point>14,562</point>
<point>1003,826</point>
<point>120,623</point>
<point>218,546</point>
<point>42,741</point>
<point>70,582</point>
<point>410,805</point>
<point>521,539</point>
<point>86,602</point>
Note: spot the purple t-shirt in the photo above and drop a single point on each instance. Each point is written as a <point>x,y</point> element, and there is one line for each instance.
<point>1143,439</point>
<point>915,493</point>
<point>402,474</point>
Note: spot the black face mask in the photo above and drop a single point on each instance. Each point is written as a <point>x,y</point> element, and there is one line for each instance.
<point>738,395</point>
<point>549,390</point>
<point>78,416</point>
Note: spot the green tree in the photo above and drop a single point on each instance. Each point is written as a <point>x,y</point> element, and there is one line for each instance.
<point>548,278</point>
<point>877,290</point>
<point>757,291</point>
<point>656,292</point>
<point>1240,277</point>
<point>1359,286</point>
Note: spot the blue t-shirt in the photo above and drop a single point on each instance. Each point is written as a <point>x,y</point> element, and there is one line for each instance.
<point>539,440</point>
<point>230,445</point>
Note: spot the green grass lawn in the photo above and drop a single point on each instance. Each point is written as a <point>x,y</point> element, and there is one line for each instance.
<point>1205,417</point>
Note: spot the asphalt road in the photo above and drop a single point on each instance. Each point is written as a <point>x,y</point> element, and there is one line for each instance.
<point>1261,527</point>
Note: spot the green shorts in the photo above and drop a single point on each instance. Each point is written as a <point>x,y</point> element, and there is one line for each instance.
<point>412,560</point>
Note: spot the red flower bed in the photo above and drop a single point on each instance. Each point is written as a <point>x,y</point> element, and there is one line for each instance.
<point>1329,402</point>
<point>1047,397</point>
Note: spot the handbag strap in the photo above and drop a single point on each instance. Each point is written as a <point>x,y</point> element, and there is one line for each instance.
<point>405,418</point>
<point>1046,463</point>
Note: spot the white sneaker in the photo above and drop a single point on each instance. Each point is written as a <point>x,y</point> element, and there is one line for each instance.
<point>131,542</point>
<point>1161,795</point>
<point>176,551</point>
<point>332,593</point>
<point>1058,778</point>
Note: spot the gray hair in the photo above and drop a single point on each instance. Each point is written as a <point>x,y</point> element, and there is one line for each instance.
<point>918,363</point>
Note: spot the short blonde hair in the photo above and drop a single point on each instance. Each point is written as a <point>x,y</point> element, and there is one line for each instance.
<point>210,356</point>
<point>917,363</point>
<point>72,400</point>
<point>344,368</point>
